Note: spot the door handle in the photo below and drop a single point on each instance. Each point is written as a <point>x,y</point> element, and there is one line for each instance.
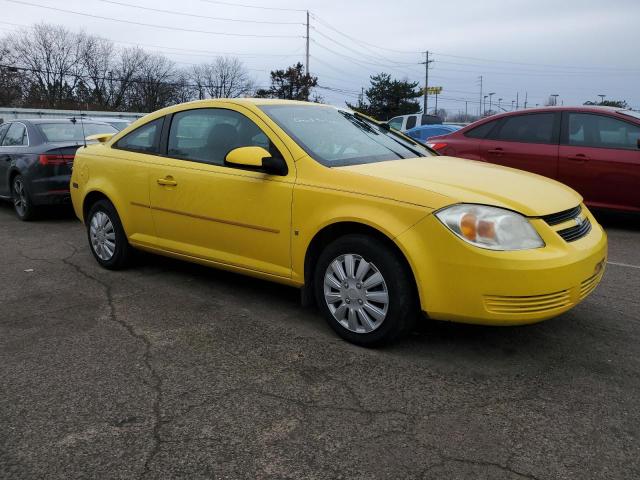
<point>578,157</point>
<point>496,151</point>
<point>167,181</point>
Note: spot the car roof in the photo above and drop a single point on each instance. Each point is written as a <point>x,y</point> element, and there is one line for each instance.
<point>559,108</point>
<point>36,121</point>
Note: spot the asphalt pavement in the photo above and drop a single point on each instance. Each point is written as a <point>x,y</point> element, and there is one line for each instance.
<point>171,370</point>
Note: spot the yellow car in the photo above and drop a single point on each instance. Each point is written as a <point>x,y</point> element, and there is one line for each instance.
<point>370,224</point>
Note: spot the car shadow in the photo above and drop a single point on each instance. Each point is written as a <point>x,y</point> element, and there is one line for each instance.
<point>618,220</point>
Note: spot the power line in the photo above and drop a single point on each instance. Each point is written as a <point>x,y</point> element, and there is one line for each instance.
<point>358,41</point>
<point>194,15</point>
<point>362,63</point>
<point>165,27</point>
<point>359,52</point>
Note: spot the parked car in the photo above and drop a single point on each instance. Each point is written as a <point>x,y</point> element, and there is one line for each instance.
<point>365,220</point>
<point>595,150</point>
<point>407,122</point>
<point>36,158</point>
<point>424,132</point>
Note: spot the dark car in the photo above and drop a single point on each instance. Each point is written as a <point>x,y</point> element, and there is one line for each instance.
<point>36,157</point>
<point>595,150</point>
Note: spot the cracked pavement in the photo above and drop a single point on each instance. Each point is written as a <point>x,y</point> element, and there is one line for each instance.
<point>171,370</point>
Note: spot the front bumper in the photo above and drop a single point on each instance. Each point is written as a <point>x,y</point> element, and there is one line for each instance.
<point>460,282</point>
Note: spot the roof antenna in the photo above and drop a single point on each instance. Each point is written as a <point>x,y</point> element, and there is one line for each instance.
<point>84,138</point>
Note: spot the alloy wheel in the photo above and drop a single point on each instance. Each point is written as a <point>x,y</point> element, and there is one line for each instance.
<point>356,293</point>
<point>19,197</point>
<point>103,236</point>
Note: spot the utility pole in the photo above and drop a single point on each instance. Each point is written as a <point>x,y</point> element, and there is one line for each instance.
<point>426,79</point>
<point>466,111</point>
<point>307,50</point>
<point>480,107</point>
<point>526,97</point>
<point>517,100</point>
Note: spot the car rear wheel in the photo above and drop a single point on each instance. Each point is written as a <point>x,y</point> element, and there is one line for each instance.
<point>365,291</point>
<point>21,200</point>
<point>107,238</point>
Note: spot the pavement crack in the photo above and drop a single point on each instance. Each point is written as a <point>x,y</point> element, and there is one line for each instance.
<point>485,463</point>
<point>155,382</point>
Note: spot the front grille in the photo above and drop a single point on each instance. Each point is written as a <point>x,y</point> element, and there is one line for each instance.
<point>557,218</point>
<point>572,234</point>
<point>527,304</point>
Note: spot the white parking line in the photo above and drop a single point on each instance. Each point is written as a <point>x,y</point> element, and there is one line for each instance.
<point>623,265</point>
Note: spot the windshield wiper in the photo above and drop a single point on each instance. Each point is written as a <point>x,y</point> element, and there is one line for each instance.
<point>392,133</point>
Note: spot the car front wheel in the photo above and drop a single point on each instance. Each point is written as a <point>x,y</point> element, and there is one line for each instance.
<point>365,290</point>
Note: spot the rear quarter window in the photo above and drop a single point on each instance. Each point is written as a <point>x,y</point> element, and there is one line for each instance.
<point>481,131</point>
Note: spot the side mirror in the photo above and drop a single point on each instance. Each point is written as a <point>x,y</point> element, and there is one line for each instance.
<point>256,158</point>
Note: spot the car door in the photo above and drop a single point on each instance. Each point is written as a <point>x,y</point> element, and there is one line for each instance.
<point>528,142</point>
<point>206,209</point>
<point>5,160</point>
<point>14,142</point>
<point>129,162</point>
<point>600,158</point>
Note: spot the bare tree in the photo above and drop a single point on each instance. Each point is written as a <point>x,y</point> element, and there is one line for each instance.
<point>12,80</point>
<point>53,57</point>
<point>155,85</point>
<point>123,79</point>
<point>99,57</point>
<point>225,77</point>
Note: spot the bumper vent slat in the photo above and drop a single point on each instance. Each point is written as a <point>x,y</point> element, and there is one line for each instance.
<point>527,304</point>
<point>557,218</point>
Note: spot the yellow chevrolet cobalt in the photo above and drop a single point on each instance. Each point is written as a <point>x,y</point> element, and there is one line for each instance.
<point>369,224</point>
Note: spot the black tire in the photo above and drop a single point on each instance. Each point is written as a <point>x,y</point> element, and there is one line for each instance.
<point>122,252</point>
<point>22,203</point>
<point>401,309</point>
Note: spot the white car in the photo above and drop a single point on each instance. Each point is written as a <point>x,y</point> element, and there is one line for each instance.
<point>407,122</point>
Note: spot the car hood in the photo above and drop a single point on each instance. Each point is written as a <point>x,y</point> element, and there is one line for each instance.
<point>469,181</point>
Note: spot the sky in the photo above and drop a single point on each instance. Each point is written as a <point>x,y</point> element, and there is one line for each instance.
<point>577,49</point>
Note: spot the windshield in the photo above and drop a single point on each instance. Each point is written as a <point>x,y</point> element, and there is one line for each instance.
<point>631,113</point>
<point>336,137</point>
<point>73,132</point>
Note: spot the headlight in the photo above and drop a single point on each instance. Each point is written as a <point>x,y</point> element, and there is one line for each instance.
<point>490,227</point>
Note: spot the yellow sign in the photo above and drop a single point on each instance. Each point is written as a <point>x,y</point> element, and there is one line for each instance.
<point>434,90</point>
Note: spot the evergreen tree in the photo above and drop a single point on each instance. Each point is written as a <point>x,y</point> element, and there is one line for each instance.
<point>387,98</point>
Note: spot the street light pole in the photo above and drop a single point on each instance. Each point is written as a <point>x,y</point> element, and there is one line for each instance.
<point>491,95</point>
<point>601,98</point>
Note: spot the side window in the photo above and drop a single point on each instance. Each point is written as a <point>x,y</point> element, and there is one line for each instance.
<point>15,136</point>
<point>411,121</point>
<point>588,130</point>
<point>208,134</point>
<point>3,130</point>
<point>144,139</point>
<point>529,128</point>
<point>481,131</point>
<point>396,123</point>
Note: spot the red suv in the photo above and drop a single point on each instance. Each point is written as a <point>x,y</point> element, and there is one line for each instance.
<point>595,150</point>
